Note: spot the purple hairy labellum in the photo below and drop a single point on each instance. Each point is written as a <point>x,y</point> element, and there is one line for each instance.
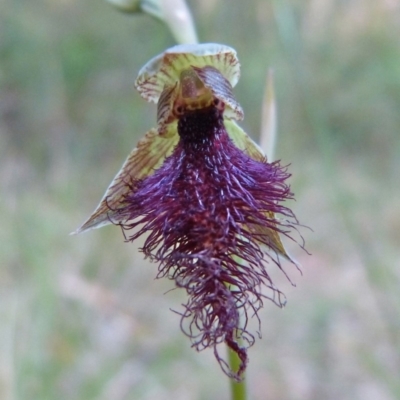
<point>206,197</point>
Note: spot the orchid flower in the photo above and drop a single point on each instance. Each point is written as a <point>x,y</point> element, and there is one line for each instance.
<point>205,195</point>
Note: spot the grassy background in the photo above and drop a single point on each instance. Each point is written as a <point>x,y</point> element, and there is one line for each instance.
<point>81,317</point>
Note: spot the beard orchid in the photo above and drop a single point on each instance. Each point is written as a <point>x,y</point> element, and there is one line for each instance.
<point>206,197</point>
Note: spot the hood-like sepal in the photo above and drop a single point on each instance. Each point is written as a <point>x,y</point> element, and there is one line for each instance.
<point>165,69</point>
<point>215,66</point>
<point>196,88</point>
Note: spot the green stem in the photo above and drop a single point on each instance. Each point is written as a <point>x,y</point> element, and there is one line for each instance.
<point>238,389</point>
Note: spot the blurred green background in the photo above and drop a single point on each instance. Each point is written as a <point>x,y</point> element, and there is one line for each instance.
<point>81,317</point>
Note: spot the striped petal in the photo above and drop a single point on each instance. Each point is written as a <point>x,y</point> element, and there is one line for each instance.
<point>149,155</point>
<point>243,141</point>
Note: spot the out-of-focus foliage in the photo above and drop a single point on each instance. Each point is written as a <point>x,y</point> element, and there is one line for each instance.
<point>81,317</point>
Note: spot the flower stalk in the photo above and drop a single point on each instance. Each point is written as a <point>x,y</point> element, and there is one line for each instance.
<point>174,13</point>
<point>238,388</point>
